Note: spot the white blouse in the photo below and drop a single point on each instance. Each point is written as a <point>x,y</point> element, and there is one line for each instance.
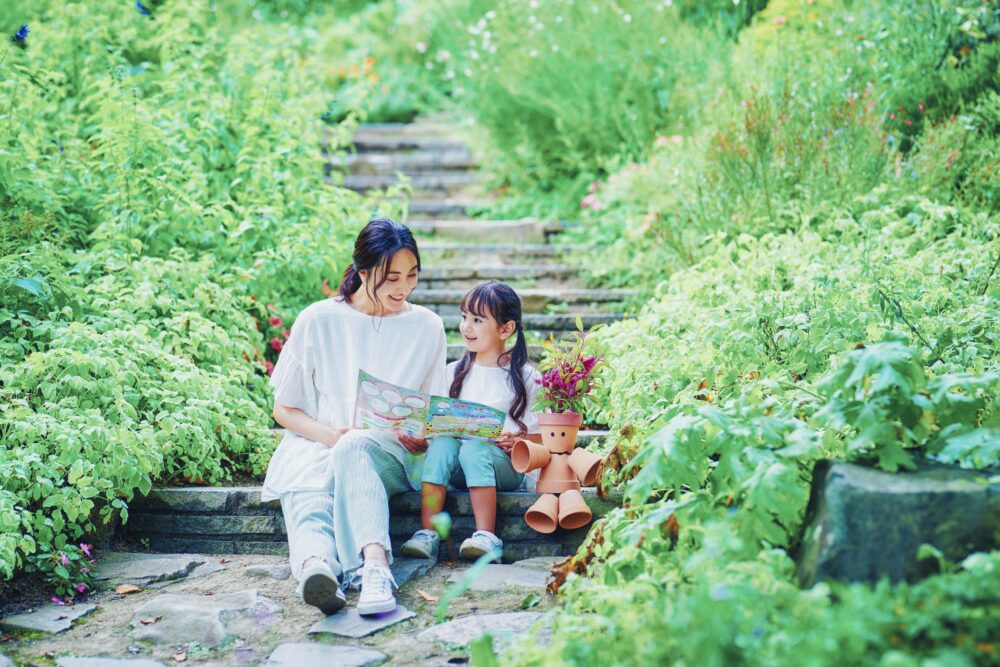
<point>317,372</point>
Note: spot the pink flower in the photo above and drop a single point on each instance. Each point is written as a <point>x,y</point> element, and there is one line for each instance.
<point>81,587</point>
<point>58,600</point>
<point>276,344</point>
<point>63,558</point>
<point>268,366</point>
<point>286,333</point>
<point>595,186</point>
<point>921,106</point>
<point>275,321</point>
<point>271,307</point>
<point>588,201</point>
<point>86,549</point>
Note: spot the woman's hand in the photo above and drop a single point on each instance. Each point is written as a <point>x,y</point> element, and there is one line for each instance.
<point>411,444</point>
<point>333,436</point>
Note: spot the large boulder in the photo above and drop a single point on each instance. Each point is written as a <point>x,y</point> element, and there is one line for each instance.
<point>864,524</point>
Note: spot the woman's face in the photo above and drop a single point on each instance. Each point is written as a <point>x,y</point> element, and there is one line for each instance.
<point>400,279</point>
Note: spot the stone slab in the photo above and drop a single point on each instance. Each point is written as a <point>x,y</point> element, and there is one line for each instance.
<point>50,618</point>
<point>865,524</point>
<point>323,655</point>
<point>461,631</point>
<point>539,563</point>
<point>349,623</point>
<point>206,619</point>
<point>279,572</point>
<point>144,569</point>
<point>497,577</point>
<point>6,662</point>
<point>107,662</point>
<point>405,569</point>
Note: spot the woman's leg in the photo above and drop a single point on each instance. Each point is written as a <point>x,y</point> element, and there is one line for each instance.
<point>309,524</point>
<point>486,468</point>
<point>367,475</point>
<point>440,463</point>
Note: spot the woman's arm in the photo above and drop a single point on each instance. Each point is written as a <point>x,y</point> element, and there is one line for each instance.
<point>299,422</point>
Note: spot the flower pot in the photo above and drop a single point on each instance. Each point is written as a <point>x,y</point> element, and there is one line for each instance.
<point>543,515</point>
<point>559,430</point>
<point>527,455</point>
<point>557,476</point>
<point>573,510</point>
<point>586,465</point>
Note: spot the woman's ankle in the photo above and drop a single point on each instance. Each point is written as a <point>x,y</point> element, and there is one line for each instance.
<point>374,553</point>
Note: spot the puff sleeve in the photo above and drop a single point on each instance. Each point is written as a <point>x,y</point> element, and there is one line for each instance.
<point>292,378</point>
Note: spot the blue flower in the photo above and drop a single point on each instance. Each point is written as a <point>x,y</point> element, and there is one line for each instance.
<point>21,35</point>
<point>142,9</point>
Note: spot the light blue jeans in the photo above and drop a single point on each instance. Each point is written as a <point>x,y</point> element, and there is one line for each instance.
<point>466,463</point>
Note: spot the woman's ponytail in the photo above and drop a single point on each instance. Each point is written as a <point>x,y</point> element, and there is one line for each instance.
<point>350,282</point>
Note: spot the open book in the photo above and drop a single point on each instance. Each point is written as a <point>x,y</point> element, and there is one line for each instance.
<point>384,406</point>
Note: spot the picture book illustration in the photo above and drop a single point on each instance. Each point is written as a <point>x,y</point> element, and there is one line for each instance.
<point>384,406</point>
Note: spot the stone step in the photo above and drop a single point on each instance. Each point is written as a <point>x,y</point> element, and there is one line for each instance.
<point>488,254</point>
<point>424,182</point>
<point>422,127</point>
<point>228,520</point>
<point>456,350</point>
<point>449,207</point>
<point>444,277</point>
<point>416,162</point>
<point>533,300</point>
<point>463,229</point>
<point>546,324</point>
<point>380,142</point>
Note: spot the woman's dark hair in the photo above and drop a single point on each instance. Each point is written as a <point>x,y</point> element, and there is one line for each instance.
<point>502,303</point>
<point>374,249</point>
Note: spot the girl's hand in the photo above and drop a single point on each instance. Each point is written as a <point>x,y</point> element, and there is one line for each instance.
<point>506,441</point>
<point>412,444</point>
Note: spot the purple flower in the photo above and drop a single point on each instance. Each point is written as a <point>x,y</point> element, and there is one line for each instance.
<point>58,600</point>
<point>86,549</point>
<point>81,587</point>
<point>63,558</point>
<point>19,37</point>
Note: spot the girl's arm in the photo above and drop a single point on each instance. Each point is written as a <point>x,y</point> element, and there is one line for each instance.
<point>299,422</point>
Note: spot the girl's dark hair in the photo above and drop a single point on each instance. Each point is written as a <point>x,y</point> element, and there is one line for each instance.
<point>373,251</point>
<point>501,302</point>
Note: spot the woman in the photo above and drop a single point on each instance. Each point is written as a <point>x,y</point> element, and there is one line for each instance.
<point>369,325</point>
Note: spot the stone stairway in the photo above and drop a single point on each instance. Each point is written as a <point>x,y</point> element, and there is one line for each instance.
<point>458,252</point>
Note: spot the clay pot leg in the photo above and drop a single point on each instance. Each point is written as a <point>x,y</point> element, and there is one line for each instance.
<point>573,510</point>
<point>543,515</point>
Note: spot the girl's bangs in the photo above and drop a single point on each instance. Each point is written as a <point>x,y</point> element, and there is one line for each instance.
<point>479,302</point>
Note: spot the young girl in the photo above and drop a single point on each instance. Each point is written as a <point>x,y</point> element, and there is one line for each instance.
<point>488,373</point>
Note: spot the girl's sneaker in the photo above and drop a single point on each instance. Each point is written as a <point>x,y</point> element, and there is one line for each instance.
<point>376,590</point>
<point>424,544</point>
<point>318,586</point>
<point>481,542</point>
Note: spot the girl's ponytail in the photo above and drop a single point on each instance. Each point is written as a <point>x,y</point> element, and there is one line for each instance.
<point>515,370</point>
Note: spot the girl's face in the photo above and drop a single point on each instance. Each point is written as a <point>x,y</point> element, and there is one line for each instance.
<point>482,333</point>
<point>400,279</point>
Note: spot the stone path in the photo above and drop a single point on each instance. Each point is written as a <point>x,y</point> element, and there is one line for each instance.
<point>242,612</point>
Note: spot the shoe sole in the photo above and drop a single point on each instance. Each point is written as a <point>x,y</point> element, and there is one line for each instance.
<point>377,607</point>
<point>473,553</point>
<point>414,552</point>
<point>324,593</point>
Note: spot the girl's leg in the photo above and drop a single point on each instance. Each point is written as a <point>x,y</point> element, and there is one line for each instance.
<point>486,468</point>
<point>367,475</point>
<point>309,524</point>
<point>440,463</point>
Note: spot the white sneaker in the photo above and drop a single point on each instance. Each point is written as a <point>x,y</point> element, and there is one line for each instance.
<point>481,542</point>
<point>318,586</point>
<point>425,543</point>
<point>376,590</point>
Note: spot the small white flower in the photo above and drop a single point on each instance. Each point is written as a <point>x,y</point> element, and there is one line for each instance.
<point>555,48</point>
<point>467,72</point>
<point>490,15</point>
<point>663,40</point>
<point>420,47</point>
<point>533,4</point>
<point>450,74</point>
<point>533,53</point>
<point>540,26</point>
<point>559,19</point>
<point>628,18</point>
<point>532,19</point>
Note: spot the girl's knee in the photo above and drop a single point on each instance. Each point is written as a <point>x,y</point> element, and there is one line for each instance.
<point>476,453</point>
<point>443,447</point>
